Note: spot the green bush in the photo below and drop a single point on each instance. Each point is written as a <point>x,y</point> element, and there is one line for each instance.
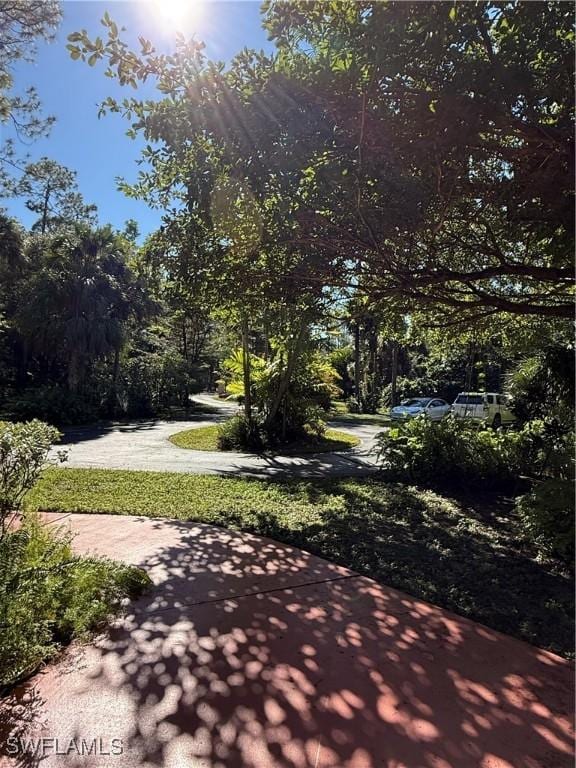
<point>464,456</point>
<point>237,435</point>
<point>546,449</point>
<point>308,396</point>
<point>450,452</point>
<point>154,382</point>
<point>23,453</point>
<point>48,596</point>
<point>354,405</point>
<point>547,517</point>
<point>542,384</point>
<point>55,405</point>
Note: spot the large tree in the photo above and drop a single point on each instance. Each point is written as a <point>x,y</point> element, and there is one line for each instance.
<point>80,296</point>
<point>51,191</point>
<point>22,24</point>
<point>462,116</point>
<point>422,152</point>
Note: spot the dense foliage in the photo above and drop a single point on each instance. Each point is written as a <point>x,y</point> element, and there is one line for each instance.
<point>23,454</point>
<point>548,514</point>
<point>537,459</point>
<point>451,453</point>
<point>295,416</point>
<point>84,334</point>
<point>440,178</point>
<point>340,175</point>
<point>48,596</point>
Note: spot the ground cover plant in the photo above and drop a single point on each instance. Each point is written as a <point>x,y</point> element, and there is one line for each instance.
<point>467,554</point>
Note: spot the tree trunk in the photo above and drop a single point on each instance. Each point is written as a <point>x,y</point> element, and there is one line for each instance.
<point>246,370</point>
<point>357,371</point>
<point>184,340</point>
<point>394,376</point>
<point>186,390</point>
<point>372,373</point>
<point>291,361</point>
<point>45,208</point>
<point>74,372</point>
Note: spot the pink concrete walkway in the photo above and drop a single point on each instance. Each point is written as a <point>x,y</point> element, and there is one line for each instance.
<point>250,654</point>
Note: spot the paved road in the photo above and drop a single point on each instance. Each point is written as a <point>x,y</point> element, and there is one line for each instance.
<point>248,653</point>
<point>144,445</point>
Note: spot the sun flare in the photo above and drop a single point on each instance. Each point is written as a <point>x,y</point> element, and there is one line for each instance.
<point>177,14</point>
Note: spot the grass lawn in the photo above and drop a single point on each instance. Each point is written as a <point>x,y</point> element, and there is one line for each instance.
<point>340,413</point>
<point>462,554</point>
<point>205,439</point>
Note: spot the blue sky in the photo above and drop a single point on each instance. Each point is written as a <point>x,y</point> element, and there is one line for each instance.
<point>98,149</point>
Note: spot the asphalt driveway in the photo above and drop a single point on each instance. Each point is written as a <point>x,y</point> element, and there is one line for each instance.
<point>144,445</point>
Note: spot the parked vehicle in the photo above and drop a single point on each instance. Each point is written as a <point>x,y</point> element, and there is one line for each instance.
<point>432,407</point>
<point>487,407</point>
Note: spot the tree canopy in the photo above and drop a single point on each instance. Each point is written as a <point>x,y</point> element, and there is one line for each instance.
<point>22,23</point>
<point>51,191</point>
<point>439,178</point>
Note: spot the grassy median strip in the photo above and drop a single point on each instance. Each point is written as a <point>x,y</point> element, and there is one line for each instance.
<point>206,439</point>
<point>462,554</point>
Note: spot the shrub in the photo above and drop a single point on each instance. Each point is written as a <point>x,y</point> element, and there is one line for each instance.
<point>451,451</point>
<point>55,405</point>
<point>460,454</point>
<point>546,513</point>
<point>547,517</point>
<point>237,435</point>
<point>370,401</point>
<point>48,596</point>
<point>23,452</point>
<point>311,389</point>
<point>155,382</point>
<point>542,385</point>
<point>546,449</point>
<point>354,405</point>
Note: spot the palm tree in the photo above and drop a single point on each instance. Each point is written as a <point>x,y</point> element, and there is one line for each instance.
<point>80,297</point>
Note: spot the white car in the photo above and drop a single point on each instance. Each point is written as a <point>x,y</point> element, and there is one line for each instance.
<point>488,407</point>
<point>432,407</point>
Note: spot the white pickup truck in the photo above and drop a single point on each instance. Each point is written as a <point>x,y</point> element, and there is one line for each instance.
<point>488,407</point>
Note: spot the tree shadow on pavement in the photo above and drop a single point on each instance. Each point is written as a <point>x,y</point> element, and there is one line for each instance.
<point>459,553</point>
<point>250,654</point>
